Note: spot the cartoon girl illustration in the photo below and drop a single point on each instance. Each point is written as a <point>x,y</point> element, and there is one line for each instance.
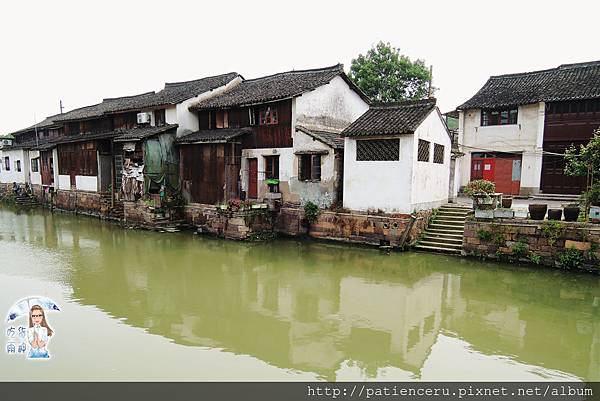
<point>38,333</point>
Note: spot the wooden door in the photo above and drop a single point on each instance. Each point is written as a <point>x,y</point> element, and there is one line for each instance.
<point>476,169</point>
<point>488,169</point>
<point>253,178</point>
<point>46,168</point>
<point>554,180</point>
<point>503,175</point>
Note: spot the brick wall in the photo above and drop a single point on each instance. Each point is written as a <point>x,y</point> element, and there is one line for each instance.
<point>77,201</point>
<point>231,225</point>
<point>352,227</point>
<point>533,241</point>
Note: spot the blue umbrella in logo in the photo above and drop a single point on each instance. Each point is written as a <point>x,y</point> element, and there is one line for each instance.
<point>23,306</point>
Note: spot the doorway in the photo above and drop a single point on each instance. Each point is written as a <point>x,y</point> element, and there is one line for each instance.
<point>253,178</point>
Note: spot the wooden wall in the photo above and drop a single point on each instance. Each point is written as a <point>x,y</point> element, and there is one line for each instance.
<point>209,172</point>
<point>263,136</point>
<point>78,159</point>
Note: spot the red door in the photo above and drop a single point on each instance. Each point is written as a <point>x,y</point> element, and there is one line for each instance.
<point>476,169</point>
<point>253,178</point>
<point>503,175</point>
<point>488,169</point>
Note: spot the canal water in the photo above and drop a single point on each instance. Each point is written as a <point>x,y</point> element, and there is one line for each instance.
<point>139,305</point>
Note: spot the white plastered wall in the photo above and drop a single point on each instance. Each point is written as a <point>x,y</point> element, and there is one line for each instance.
<point>322,192</point>
<point>333,105</point>
<point>13,175</point>
<point>35,178</point>
<point>286,163</point>
<point>379,185</point>
<point>525,137</point>
<point>430,180</point>
<point>187,120</point>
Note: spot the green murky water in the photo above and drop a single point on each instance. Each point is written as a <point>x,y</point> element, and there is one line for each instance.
<point>143,306</point>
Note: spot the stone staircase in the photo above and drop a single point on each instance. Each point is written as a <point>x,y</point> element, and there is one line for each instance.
<point>445,231</point>
<point>116,212</point>
<point>557,197</point>
<point>25,200</point>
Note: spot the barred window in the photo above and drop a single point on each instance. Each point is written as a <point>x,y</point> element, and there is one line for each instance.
<point>378,150</point>
<point>423,155</point>
<point>438,153</point>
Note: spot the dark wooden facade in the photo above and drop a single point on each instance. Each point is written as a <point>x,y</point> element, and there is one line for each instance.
<point>210,172</point>
<point>263,135</point>
<point>566,123</point>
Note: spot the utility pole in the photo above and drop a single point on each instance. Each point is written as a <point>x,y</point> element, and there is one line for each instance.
<point>61,107</point>
<point>429,90</point>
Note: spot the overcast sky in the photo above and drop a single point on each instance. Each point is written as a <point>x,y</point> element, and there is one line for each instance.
<point>83,51</point>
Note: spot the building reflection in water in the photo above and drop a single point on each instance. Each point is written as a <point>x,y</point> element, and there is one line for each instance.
<point>319,307</point>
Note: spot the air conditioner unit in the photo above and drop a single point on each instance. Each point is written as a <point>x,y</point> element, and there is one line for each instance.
<point>143,118</point>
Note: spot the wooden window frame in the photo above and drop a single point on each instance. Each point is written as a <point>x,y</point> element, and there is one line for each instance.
<point>222,119</point>
<point>6,163</point>
<point>503,116</point>
<point>424,148</point>
<point>18,166</point>
<point>35,165</point>
<point>268,115</point>
<point>309,167</point>
<point>438,153</point>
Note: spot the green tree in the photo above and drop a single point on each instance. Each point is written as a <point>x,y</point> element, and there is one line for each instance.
<point>385,75</point>
<point>586,159</point>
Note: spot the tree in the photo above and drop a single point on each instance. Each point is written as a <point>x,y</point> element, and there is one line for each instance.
<point>385,75</point>
<point>585,160</point>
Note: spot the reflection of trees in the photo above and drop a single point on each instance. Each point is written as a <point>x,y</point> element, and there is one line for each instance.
<point>312,306</point>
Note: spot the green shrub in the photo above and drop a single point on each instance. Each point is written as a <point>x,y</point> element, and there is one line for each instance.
<point>480,187</point>
<point>552,230</point>
<point>571,258</point>
<point>485,236</point>
<point>499,239</point>
<point>519,249</point>
<point>311,212</point>
<point>535,259</point>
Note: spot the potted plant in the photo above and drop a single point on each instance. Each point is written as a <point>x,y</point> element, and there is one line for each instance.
<point>571,211</point>
<point>507,202</point>
<point>484,203</point>
<point>555,214</point>
<point>537,211</point>
<point>273,184</point>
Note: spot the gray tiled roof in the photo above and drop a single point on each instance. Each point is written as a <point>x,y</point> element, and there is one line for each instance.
<point>213,135</point>
<point>329,138</point>
<point>46,123</point>
<point>566,82</point>
<point>172,93</point>
<point>391,118</point>
<point>284,85</point>
<point>139,133</point>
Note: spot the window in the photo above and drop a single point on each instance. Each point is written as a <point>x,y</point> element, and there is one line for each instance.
<point>438,153</point>
<point>222,119</point>
<point>423,154</point>
<point>499,117</point>
<point>272,167</point>
<point>251,115</point>
<point>7,163</point>
<point>272,171</point>
<point>309,167</point>
<point>35,165</point>
<point>378,150</point>
<point>268,115</point>
<point>159,117</point>
<point>18,165</point>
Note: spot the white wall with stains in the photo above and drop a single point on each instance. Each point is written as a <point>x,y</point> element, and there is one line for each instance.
<point>379,185</point>
<point>525,137</point>
<point>430,181</point>
<point>35,177</point>
<point>333,105</point>
<point>12,175</point>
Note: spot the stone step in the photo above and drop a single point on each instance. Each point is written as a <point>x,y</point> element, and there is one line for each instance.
<point>453,227</point>
<point>453,212</point>
<point>450,217</point>
<point>440,243</point>
<point>457,234</point>
<point>445,240</point>
<point>437,249</point>
<point>448,222</point>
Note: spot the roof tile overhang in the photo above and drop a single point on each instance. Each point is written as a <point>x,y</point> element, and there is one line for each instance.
<point>223,135</point>
<point>141,133</point>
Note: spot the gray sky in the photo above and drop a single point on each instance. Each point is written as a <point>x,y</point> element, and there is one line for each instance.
<point>83,51</point>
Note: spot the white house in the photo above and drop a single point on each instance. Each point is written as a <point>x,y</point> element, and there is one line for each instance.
<point>397,158</point>
<point>283,127</point>
<point>514,129</point>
